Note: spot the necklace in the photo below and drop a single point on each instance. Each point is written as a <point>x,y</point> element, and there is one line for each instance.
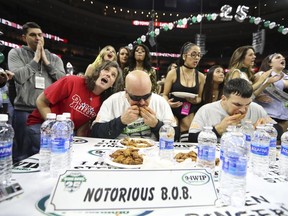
<point>188,67</point>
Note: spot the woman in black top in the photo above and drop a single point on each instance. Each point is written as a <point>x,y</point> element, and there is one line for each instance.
<point>186,78</point>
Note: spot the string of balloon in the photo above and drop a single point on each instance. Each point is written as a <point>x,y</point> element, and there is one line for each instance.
<point>225,15</point>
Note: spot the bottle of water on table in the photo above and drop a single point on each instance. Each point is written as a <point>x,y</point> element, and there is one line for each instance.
<point>283,161</point>
<point>45,142</point>
<point>60,139</point>
<point>233,175</point>
<point>207,141</point>
<point>247,129</point>
<point>71,124</point>
<point>166,141</point>
<point>273,142</point>
<point>223,139</point>
<point>6,142</point>
<point>260,151</point>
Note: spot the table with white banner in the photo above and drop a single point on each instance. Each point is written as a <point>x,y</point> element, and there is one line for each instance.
<point>95,187</point>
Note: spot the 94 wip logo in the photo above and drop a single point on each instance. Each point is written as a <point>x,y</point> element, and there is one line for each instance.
<point>73,181</point>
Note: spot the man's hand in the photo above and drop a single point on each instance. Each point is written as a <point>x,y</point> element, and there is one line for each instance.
<point>44,57</point>
<point>229,120</point>
<point>38,53</point>
<point>130,115</point>
<point>149,116</point>
<point>3,77</point>
<point>9,74</point>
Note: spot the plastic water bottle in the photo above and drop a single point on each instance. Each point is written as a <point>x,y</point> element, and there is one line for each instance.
<point>71,124</point>
<point>247,129</point>
<point>273,142</point>
<point>283,164</point>
<point>234,169</point>
<point>6,142</point>
<point>223,139</point>
<point>59,146</point>
<point>207,141</point>
<point>260,151</point>
<point>45,142</point>
<point>166,141</point>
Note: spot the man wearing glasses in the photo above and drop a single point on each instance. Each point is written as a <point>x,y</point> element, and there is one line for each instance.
<point>135,112</point>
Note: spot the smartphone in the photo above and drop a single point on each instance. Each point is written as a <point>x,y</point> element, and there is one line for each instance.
<point>10,191</point>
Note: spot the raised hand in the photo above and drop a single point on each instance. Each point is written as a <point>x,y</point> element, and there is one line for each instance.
<point>149,116</point>
<point>130,115</point>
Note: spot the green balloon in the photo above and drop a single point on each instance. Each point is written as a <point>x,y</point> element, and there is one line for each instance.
<point>2,57</point>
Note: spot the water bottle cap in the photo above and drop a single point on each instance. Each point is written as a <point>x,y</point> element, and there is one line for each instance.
<point>67,115</point>
<point>260,127</point>
<point>208,127</point>
<point>231,127</point>
<point>4,117</point>
<point>61,118</point>
<point>249,121</point>
<point>269,124</point>
<point>51,116</point>
<point>167,121</point>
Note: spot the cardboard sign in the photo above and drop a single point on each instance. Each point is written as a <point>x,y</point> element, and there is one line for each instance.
<point>82,190</point>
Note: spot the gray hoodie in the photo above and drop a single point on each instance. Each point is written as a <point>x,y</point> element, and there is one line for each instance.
<point>20,61</point>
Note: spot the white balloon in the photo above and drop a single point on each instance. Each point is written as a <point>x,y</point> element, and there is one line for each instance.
<point>225,11</point>
<point>184,21</point>
<point>130,46</point>
<point>199,18</point>
<point>157,31</point>
<point>257,20</point>
<point>214,16</point>
<point>285,31</point>
<point>170,26</point>
<point>241,13</point>
<point>143,38</point>
<point>272,25</point>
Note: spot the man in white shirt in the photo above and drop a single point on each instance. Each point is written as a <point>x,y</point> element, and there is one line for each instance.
<point>135,112</point>
<point>235,106</point>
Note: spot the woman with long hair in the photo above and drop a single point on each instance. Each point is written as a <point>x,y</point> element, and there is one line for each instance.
<point>108,53</point>
<point>241,66</point>
<point>185,78</point>
<point>277,103</point>
<point>140,59</point>
<point>81,96</point>
<point>122,57</point>
<point>213,87</point>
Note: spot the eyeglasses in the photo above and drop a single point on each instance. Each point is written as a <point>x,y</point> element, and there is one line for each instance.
<point>139,98</point>
<point>194,55</point>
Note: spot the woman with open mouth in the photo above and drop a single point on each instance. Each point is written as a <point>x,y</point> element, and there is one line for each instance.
<point>108,53</point>
<point>276,100</point>
<point>81,96</point>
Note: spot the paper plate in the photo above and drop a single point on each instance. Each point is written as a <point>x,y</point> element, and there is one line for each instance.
<point>184,94</point>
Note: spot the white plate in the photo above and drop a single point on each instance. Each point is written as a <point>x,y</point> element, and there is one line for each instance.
<point>184,94</point>
<point>109,160</point>
<point>138,139</point>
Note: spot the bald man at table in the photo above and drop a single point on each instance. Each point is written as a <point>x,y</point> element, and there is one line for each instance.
<point>134,112</point>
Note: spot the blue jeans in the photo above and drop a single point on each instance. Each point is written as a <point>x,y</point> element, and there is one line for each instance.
<point>32,138</point>
<point>20,151</point>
